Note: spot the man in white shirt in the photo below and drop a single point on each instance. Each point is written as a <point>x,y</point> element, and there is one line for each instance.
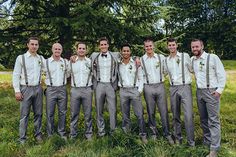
<point>154,90</point>
<point>131,87</point>
<point>56,94</point>
<point>28,90</point>
<point>104,67</point>
<point>210,80</point>
<point>178,67</point>
<point>81,91</point>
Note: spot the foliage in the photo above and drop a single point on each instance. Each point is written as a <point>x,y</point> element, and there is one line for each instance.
<point>212,21</point>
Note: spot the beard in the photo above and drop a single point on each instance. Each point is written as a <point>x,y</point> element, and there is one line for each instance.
<point>197,53</point>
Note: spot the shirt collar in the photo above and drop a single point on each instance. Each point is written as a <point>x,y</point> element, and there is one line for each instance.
<point>146,56</point>
<point>203,56</point>
<point>28,54</point>
<point>51,59</point>
<point>131,61</point>
<point>177,55</point>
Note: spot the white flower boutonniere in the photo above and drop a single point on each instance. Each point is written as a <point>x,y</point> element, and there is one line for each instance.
<point>40,62</point>
<point>62,67</point>
<point>178,61</point>
<point>130,68</point>
<point>157,65</point>
<point>201,64</point>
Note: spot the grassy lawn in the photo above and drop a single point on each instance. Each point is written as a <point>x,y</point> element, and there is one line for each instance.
<point>119,144</point>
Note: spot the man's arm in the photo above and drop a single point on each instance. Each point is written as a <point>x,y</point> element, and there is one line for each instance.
<point>16,78</point>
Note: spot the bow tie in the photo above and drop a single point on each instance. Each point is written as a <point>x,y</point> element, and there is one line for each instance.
<point>104,55</point>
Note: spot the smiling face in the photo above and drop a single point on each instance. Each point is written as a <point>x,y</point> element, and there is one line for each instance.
<point>197,48</point>
<point>81,50</point>
<point>103,46</point>
<point>56,50</point>
<point>149,47</point>
<point>172,47</point>
<point>126,52</point>
<point>33,46</point>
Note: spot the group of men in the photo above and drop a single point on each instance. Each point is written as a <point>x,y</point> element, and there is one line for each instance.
<point>104,72</point>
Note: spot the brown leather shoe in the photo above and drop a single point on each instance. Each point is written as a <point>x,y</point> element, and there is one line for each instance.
<point>144,139</point>
<point>39,139</point>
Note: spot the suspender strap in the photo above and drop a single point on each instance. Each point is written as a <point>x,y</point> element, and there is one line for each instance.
<point>136,76</point>
<point>89,75</point>
<point>183,74</point>
<point>64,72</point>
<point>119,75</point>
<point>168,71</point>
<point>145,70</point>
<point>159,58</point>
<point>207,71</point>
<point>97,67</point>
<point>25,72</point>
<point>72,74</point>
<point>49,74</point>
<point>40,69</point>
<point>111,70</point>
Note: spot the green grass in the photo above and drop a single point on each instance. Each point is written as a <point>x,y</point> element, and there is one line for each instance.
<point>229,64</point>
<point>117,145</point>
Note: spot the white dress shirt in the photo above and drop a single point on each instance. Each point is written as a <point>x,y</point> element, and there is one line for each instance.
<point>174,69</point>
<point>217,75</point>
<point>81,70</point>
<point>153,65</point>
<point>57,70</point>
<point>33,65</point>
<point>127,74</point>
<point>105,67</point>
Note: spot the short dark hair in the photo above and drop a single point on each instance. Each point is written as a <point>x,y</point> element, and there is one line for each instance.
<point>195,39</point>
<point>32,38</point>
<point>171,40</point>
<point>103,39</point>
<point>125,45</point>
<point>80,42</point>
<point>147,39</point>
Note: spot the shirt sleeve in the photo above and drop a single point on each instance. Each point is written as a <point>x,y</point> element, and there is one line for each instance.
<point>140,78</point>
<point>188,62</point>
<point>220,74</point>
<point>16,74</point>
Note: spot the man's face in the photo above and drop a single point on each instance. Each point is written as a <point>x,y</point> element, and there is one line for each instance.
<point>126,52</point>
<point>103,46</point>
<point>81,50</point>
<point>149,47</point>
<point>56,50</point>
<point>33,46</point>
<point>197,48</point>
<point>172,47</point>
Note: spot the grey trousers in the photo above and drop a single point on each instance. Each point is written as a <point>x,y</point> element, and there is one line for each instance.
<point>209,109</point>
<point>105,92</point>
<point>81,95</point>
<point>33,96</point>
<point>56,95</point>
<point>155,93</point>
<point>132,96</point>
<point>182,94</point>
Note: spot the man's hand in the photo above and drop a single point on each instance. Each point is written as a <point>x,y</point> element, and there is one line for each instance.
<point>19,96</point>
<point>216,94</point>
<point>73,58</point>
<point>137,62</point>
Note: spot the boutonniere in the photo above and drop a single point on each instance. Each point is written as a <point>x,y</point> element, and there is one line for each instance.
<point>178,61</point>
<point>40,63</point>
<point>130,68</point>
<point>62,66</point>
<point>157,64</point>
<point>201,64</point>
